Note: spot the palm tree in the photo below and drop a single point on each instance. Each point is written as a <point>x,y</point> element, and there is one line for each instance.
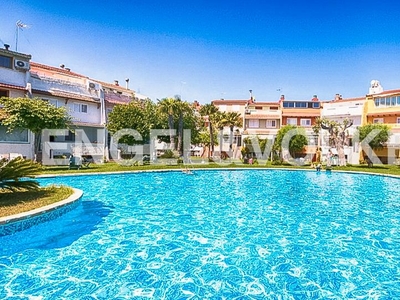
<point>182,108</point>
<point>207,111</point>
<point>233,119</point>
<point>220,121</point>
<point>168,106</point>
<point>12,171</point>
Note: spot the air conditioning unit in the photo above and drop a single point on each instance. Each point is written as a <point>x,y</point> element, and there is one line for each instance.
<point>21,64</point>
<point>93,86</point>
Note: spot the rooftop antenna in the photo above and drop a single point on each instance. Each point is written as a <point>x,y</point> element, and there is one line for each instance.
<point>19,26</point>
<point>127,83</point>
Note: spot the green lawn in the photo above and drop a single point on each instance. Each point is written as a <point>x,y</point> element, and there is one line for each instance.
<point>21,201</point>
<point>197,164</point>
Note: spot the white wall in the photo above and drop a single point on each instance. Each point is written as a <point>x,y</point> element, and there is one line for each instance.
<point>10,76</point>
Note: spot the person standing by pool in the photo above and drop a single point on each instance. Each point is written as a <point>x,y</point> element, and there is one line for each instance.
<point>329,158</point>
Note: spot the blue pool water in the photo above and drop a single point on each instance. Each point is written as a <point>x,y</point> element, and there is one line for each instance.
<point>234,234</point>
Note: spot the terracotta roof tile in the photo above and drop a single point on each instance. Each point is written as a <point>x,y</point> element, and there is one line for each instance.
<point>229,102</point>
<point>66,95</point>
<point>113,86</point>
<point>345,100</point>
<point>388,92</point>
<point>262,116</point>
<point>11,86</point>
<point>35,65</point>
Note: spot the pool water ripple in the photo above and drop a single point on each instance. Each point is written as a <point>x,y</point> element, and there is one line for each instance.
<point>264,234</point>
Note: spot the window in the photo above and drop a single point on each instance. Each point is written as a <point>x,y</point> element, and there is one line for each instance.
<point>253,124</point>
<point>301,104</point>
<point>237,140</point>
<point>258,107</point>
<point>70,136</point>
<point>305,122</point>
<point>56,103</point>
<point>378,121</point>
<point>398,100</point>
<point>291,121</point>
<point>273,108</point>
<point>288,104</point>
<point>376,102</point>
<point>5,62</point>
<point>3,93</point>
<point>80,108</point>
<point>392,101</point>
<point>16,136</point>
<point>84,108</point>
<point>315,105</point>
<point>271,123</point>
<point>398,120</point>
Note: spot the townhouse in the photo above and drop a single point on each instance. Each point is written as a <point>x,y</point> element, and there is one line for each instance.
<point>90,101</point>
<point>83,100</point>
<point>338,110</point>
<point>383,107</point>
<point>302,113</point>
<point>238,106</point>
<point>114,94</point>
<point>14,83</point>
<point>87,101</point>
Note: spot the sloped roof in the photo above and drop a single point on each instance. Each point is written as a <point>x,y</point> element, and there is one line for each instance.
<point>45,85</point>
<point>229,102</point>
<point>11,86</point>
<point>345,100</point>
<point>66,71</point>
<point>386,93</point>
<point>115,98</point>
<point>66,95</point>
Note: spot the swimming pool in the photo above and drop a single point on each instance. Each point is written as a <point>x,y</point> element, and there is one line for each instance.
<point>226,234</point>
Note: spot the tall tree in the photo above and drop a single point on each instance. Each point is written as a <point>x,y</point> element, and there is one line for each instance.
<point>219,120</point>
<point>141,116</point>
<point>292,136</point>
<point>207,111</point>
<point>168,107</point>
<point>183,109</point>
<point>338,135</point>
<point>233,119</point>
<point>34,115</point>
<point>372,136</point>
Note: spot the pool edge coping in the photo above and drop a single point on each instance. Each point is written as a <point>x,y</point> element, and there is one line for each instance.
<point>206,169</point>
<point>76,195</point>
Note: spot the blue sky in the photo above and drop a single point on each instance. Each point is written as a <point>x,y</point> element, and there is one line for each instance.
<point>207,50</point>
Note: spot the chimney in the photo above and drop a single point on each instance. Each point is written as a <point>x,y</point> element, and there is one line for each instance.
<point>315,98</point>
<point>68,69</point>
<point>338,97</point>
<point>62,66</point>
<point>116,82</point>
<point>6,46</point>
<point>251,96</point>
<point>127,83</point>
<point>282,98</point>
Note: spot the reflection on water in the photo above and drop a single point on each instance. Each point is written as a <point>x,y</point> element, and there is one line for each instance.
<point>58,233</point>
